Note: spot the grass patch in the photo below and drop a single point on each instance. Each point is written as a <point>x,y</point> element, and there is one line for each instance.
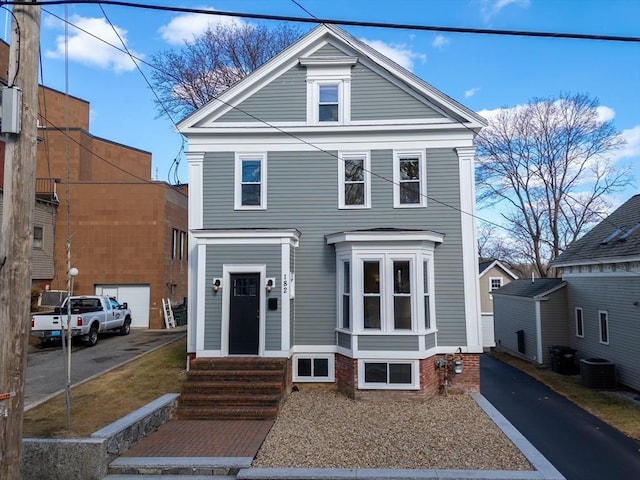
<point>99,402</point>
<point>617,412</point>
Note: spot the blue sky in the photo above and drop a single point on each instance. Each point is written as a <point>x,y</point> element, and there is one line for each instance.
<point>481,71</point>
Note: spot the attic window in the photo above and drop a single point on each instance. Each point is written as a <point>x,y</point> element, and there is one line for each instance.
<point>611,236</point>
<point>328,88</point>
<point>626,234</point>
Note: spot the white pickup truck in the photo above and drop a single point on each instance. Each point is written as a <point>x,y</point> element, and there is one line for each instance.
<point>90,315</point>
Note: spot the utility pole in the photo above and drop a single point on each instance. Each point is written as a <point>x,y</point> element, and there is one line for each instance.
<point>16,234</point>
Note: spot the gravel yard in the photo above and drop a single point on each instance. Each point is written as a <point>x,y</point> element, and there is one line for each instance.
<point>324,429</point>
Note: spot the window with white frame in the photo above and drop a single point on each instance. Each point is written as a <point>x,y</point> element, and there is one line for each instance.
<point>328,88</point>
<point>354,178</point>
<point>38,237</point>
<point>388,293</point>
<point>345,298</point>
<point>604,326</point>
<point>314,368</point>
<point>391,287</point>
<point>381,374</point>
<point>409,182</point>
<point>495,283</point>
<point>251,181</point>
<point>579,323</point>
<point>328,102</point>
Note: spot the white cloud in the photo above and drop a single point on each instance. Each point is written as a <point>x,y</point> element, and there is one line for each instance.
<point>189,25</point>
<point>440,41</point>
<point>471,92</point>
<point>398,52</point>
<point>605,113</point>
<point>491,8</point>
<point>632,148</point>
<point>89,50</point>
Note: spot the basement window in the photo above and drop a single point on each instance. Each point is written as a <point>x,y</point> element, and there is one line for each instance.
<point>313,368</point>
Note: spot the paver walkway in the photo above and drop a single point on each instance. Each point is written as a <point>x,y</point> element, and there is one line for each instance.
<point>203,438</point>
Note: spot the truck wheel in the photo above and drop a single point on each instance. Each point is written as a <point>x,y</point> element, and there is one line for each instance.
<point>126,328</point>
<point>92,338</point>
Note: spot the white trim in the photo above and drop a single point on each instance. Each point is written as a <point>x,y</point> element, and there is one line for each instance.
<point>319,349</point>
<point>366,164</point>
<point>466,156</point>
<point>606,313</point>
<point>538,333</point>
<point>415,375</point>
<point>229,236</point>
<point>422,177</point>
<point>575,316</point>
<point>227,270</point>
<point>331,377</point>
<point>237,197</point>
<point>403,237</point>
<point>285,292</point>
<point>208,353</point>
<point>195,164</point>
<point>201,295</point>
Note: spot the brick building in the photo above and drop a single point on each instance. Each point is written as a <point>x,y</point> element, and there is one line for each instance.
<point>128,232</point>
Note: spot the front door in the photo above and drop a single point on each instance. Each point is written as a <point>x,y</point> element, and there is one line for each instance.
<point>244,314</point>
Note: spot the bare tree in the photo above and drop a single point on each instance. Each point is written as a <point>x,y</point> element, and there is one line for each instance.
<point>187,78</point>
<point>548,167</point>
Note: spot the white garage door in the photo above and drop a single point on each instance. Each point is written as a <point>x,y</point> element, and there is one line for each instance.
<point>137,297</point>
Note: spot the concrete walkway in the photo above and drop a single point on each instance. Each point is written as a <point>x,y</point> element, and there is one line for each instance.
<point>579,445</point>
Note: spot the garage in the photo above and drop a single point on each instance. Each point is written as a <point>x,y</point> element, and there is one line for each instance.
<point>137,297</point>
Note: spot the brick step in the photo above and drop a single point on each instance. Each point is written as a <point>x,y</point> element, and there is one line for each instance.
<point>244,375</point>
<point>227,413</point>
<point>235,388</point>
<point>241,363</point>
<point>223,400</point>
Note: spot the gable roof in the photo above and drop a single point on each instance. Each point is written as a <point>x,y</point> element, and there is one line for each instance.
<point>314,40</point>
<point>615,239</point>
<point>536,289</point>
<point>484,265</point>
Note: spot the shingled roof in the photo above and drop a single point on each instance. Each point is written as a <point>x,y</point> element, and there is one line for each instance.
<point>539,287</point>
<point>615,239</point>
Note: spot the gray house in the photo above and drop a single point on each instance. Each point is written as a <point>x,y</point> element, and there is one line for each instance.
<point>326,192</point>
<point>529,317</point>
<point>602,272</point>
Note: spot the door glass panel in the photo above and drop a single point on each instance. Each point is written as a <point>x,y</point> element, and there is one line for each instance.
<point>245,287</point>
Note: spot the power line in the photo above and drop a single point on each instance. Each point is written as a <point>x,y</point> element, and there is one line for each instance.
<point>352,23</point>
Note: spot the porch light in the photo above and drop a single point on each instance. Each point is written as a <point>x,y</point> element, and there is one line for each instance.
<point>270,283</point>
<point>216,284</point>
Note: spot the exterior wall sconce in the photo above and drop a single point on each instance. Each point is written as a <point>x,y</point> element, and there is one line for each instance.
<point>270,284</point>
<point>217,285</point>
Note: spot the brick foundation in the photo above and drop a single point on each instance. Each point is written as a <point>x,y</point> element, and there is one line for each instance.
<point>431,379</point>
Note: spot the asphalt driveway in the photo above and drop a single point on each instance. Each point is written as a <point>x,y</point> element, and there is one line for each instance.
<point>46,371</point>
<point>578,444</point>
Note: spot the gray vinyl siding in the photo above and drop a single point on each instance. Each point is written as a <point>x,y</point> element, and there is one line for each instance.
<point>376,98</point>
<point>430,341</point>
<point>616,296</point>
<point>219,255</point>
<point>344,340</point>
<point>553,317</point>
<point>44,215</point>
<point>511,314</point>
<point>282,100</point>
<point>327,51</point>
<point>303,194</point>
<point>404,343</point>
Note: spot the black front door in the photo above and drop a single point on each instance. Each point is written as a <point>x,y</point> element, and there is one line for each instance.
<point>244,314</point>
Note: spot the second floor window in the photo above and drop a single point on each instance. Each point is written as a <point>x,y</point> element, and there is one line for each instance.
<point>250,179</point>
<point>409,183</point>
<point>354,174</point>
<point>495,283</point>
<point>38,237</point>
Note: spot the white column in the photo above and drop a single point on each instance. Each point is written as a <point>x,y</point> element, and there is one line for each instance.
<point>195,160</point>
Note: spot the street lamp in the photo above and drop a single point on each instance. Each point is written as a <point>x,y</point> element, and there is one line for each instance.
<point>72,273</point>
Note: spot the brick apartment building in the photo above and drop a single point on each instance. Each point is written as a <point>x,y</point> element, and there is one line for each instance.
<point>128,232</point>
